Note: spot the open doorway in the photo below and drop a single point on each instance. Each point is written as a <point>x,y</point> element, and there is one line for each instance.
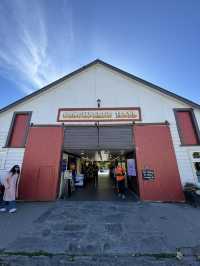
<point>90,175</point>
<point>89,158</point>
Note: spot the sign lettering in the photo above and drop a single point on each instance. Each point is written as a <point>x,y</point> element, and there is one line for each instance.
<point>102,114</point>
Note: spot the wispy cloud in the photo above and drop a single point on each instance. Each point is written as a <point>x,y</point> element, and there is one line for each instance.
<point>33,50</point>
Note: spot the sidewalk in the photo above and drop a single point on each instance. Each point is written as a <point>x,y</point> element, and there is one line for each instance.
<point>17,224</point>
<point>101,233</point>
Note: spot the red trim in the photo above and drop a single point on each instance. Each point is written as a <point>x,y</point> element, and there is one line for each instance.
<point>99,109</point>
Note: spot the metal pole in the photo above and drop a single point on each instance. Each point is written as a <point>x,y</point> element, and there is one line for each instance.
<point>98,105</point>
<point>98,132</point>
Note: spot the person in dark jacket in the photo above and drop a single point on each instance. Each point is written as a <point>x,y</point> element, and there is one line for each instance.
<point>95,173</point>
<point>90,171</point>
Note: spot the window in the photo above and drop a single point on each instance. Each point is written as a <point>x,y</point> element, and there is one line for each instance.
<point>18,130</point>
<point>187,127</point>
<point>197,169</point>
<point>195,161</point>
<point>196,155</point>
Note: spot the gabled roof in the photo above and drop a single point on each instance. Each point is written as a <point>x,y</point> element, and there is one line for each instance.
<point>98,61</point>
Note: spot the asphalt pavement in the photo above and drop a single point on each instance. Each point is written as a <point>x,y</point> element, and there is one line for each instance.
<point>100,233</point>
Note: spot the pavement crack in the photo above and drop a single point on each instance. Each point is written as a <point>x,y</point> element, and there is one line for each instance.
<point>161,255</point>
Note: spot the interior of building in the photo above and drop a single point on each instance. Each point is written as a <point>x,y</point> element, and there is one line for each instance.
<point>89,158</point>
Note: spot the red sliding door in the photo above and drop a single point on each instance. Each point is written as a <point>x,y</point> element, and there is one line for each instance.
<point>40,171</point>
<point>154,150</point>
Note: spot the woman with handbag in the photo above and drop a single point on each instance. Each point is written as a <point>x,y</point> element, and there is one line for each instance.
<point>11,182</point>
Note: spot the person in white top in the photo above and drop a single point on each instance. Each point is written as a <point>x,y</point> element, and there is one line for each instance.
<point>11,182</point>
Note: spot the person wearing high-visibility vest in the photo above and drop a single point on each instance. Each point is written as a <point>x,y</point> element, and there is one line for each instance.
<point>120,178</point>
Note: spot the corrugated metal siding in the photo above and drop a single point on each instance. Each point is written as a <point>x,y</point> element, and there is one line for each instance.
<point>110,137</point>
<point>116,137</point>
<point>85,137</point>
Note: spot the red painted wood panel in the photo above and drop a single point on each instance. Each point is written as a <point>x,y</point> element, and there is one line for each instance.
<point>19,130</point>
<point>40,170</point>
<point>187,130</point>
<point>154,149</point>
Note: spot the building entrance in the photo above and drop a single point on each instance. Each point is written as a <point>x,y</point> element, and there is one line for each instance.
<point>49,145</point>
<point>89,159</point>
<point>91,176</point>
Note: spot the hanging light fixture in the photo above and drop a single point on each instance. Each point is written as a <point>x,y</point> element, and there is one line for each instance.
<point>99,103</point>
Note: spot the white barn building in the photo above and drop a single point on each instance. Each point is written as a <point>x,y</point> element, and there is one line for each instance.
<point>102,108</point>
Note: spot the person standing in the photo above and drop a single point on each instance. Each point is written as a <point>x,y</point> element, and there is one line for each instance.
<point>95,173</point>
<point>120,177</point>
<point>74,172</point>
<point>1,191</point>
<point>112,174</point>
<point>86,172</point>
<point>11,182</point>
<point>90,171</point>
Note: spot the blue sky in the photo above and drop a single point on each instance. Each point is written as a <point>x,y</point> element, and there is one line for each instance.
<point>42,40</point>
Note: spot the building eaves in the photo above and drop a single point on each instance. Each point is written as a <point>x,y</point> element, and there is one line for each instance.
<point>98,61</point>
